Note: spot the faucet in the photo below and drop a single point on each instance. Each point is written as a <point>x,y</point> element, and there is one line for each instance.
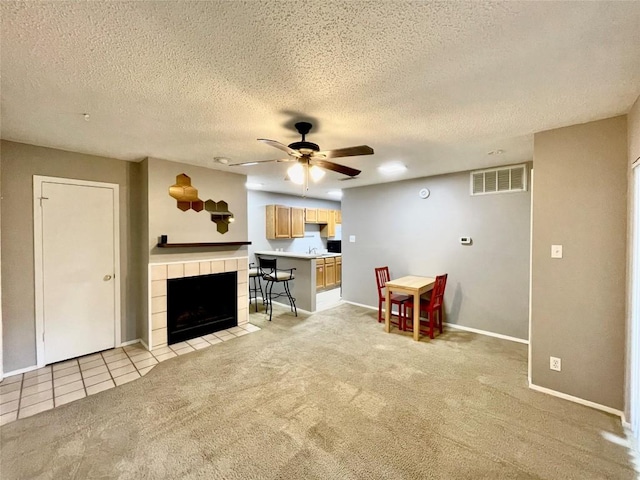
<point>312,250</point>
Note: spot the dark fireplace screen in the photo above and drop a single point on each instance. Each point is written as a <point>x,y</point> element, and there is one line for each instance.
<point>201,305</point>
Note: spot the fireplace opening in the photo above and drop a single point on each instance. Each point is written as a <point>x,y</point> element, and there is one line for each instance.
<point>201,305</point>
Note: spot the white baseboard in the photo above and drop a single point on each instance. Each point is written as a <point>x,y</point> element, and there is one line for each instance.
<point>579,400</point>
<point>361,305</point>
<point>21,370</point>
<point>130,342</point>
<point>367,306</point>
<point>487,333</point>
<point>144,344</point>
<point>297,308</point>
<point>458,327</point>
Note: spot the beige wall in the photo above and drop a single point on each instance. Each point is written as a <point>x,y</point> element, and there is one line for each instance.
<point>164,218</point>
<point>488,283</point>
<point>20,163</point>
<point>578,302</point>
<point>161,216</point>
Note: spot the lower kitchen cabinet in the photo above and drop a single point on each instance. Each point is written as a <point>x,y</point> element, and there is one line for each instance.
<point>328,273</point>
<point>319,274</point>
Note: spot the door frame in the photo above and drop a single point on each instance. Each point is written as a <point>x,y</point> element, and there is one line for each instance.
<point>38,181</point>
<point>633,329</point>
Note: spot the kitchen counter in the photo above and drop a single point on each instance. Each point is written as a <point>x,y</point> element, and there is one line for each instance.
<point>303,287</point>
<point>307,256</point>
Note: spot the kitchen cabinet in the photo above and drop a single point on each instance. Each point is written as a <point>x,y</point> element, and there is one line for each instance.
<point>311,215</point>
<point>278,220</point>
<point>323,215</point>
<point>297,222</point>
<point>329,272</point>
<point>339,217</point>
<point>319,274</point>
<point>329,229</point>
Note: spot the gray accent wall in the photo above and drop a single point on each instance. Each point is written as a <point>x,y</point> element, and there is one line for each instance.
<point>20,162</point>
<point>488,283</point>
<point>578,302</point>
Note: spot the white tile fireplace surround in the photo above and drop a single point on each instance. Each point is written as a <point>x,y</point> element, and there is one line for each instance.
<point>159,273</point>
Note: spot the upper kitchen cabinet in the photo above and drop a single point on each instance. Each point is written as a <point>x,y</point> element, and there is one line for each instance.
<point>278,222</point>
<point>329,229</point>
<point>311,215</point>
<point>323,215</point>
<point>339,217</point>
<point>297,222</point>
<point>284,222</point>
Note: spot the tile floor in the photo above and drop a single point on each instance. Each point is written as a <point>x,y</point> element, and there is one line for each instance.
<point>29,393</point>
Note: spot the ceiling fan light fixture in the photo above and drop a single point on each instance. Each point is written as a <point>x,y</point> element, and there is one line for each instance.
<point>296,174</point>
<point>316,173</point>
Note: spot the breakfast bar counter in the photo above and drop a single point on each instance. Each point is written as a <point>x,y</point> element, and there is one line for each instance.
<point>303,287</point>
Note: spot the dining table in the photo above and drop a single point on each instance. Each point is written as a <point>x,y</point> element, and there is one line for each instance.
<point>414,286</point>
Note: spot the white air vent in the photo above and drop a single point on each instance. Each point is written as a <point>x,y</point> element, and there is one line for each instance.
<point>499,180</point>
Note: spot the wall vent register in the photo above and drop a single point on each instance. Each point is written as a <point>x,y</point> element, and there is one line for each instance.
<point>499,180</point>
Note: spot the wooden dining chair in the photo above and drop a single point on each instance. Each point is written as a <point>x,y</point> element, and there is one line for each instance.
<point>382,277</point>
<point>431,309</point>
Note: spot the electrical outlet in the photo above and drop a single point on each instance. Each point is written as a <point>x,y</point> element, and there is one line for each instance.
<point>555,364</point>
<point>556,251</point>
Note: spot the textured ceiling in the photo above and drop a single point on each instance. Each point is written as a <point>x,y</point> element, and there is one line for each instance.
<point>433,85</point>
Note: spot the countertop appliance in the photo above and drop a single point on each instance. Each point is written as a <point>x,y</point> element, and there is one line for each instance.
<point>334,246</point>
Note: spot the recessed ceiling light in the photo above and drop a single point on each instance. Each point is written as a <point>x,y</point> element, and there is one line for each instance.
<point>392,168</point>
<point>335,193</point>
<point>253,185</point>
<point>222,160</point>
<point>496,152</point>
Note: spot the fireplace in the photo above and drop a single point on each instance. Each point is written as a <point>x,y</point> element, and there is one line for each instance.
<point>201,305</point>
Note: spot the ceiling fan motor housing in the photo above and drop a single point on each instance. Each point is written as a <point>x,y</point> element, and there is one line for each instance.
<point>302,146</point>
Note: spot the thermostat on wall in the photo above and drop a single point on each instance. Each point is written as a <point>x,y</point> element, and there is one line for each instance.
<point>424,193</point>
<point>465,240</point>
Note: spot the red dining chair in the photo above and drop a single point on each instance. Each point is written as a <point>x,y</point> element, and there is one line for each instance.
<point>430,308</point>
<point>382,277</point>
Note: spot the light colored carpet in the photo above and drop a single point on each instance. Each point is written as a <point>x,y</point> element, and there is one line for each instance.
<point>330,396</point>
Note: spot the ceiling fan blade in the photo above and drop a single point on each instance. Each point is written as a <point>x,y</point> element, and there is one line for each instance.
<point>254,162</point>
<point>280,146</point>
<point>334,167</point>
<point>345,152</point>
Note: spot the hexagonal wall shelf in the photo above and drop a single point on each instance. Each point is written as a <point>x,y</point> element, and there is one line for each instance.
<point>220,214</point>
<point>185,194</point>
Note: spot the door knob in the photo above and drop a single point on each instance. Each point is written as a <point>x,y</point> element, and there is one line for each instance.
<point>106,278</point>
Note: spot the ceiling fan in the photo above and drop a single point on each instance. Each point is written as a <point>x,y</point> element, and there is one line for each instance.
<point>310,160</point>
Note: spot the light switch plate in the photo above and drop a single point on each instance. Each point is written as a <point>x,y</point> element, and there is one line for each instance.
<point>352,238</point>
<point>556,251</point>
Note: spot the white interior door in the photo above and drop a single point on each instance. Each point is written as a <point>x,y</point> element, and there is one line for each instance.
<point>78,258</point>
<point>634,353</point>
